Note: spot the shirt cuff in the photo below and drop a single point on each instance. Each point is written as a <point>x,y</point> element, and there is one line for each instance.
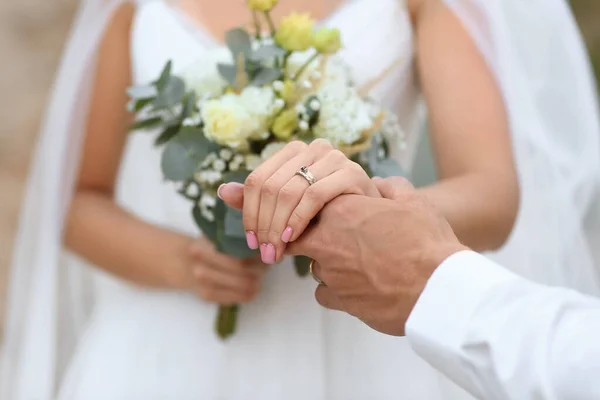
<point>439,321</point>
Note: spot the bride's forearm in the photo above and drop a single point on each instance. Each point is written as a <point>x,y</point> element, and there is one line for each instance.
<point>480,207</point>
<point>110,238</point>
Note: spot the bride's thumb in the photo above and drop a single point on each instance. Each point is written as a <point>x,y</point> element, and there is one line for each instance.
<point>232,194</point>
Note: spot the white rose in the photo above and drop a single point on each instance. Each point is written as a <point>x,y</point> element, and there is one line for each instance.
<point>226,121</point>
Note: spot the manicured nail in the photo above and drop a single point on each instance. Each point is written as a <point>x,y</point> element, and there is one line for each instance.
<point>269,254</point>
<point>286,236</point>
<point>252,240</point>
<point>263,252</point>
<point>219,190</point>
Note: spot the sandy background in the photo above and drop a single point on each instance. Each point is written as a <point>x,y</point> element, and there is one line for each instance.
<point>32,33</point>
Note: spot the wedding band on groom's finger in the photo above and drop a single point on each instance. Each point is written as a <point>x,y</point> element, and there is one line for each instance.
<point>312,269</point>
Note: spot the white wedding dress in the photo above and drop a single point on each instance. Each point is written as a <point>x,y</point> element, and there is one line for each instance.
<point>75,333</point>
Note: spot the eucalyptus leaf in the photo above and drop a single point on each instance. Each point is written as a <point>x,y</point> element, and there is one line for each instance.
<point>265,75</point>
<point>142,92</point>
<point>177,164</point>
<point>228,72</point>
<point>387,168</point>
<point>235,247</point>
<point>236,176</point>
<point>267,52</point>
<point>208,228</point>
<point>238,40</point>
<point>141,103</point>
<point>197,145</point>
<point>189,105</point>
<point>146,124</point>
<point>234,226</point>
<point>171,94</point>
<point>164,76</point>
<point>302,265</point>
<point>169,133</point>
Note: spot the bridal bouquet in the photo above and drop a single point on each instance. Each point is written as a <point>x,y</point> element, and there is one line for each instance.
<point>221,118</point>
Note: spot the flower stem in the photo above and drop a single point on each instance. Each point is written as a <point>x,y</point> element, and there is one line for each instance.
<point>285,61</point>
<point>270,22</point>
<point>257,29</point>
<point>306,64</point>
<point>226,321</point>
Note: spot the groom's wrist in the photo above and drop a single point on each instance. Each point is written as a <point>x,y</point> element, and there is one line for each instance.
<point>437,324</point>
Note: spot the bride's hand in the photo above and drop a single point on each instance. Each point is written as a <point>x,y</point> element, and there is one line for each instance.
<point>219,278</point>
<point>279,205</point>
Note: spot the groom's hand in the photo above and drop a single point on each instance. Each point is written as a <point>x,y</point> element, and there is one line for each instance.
<point>375,256</point>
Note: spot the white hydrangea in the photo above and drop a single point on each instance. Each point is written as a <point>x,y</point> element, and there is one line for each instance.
<point>271,149</point>
<point>203,76</point>
<point>336,68</point>
<point>260,104</point>
<point>344,115</point>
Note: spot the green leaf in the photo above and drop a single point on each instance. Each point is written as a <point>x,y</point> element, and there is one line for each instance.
<point>265,75</point>
<point>238,41</point>
<point>233,246</point>
<point>266,52</point>
<point>208,228</point>
<point>228,72</point>
<point>169,133</point>
<point>177,164</point>
<point>189,105</point>
<point>236,176</point>
<point>146,124</point>
<point>165,75</point>
<point>142,92</point>
<point>141,103</point>
<point>196,143</point>
<point>171,94</point>
<point>302,265</point>
<point>234,226</point>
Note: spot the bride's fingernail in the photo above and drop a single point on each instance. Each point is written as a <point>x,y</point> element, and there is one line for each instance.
<point>263,252</point>
<point>219,190</point>
<point>269,257</point>
<point>252,240</point>
<point>286,236</point>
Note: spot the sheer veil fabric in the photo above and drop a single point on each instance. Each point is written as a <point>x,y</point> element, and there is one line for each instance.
<point>532,48</point>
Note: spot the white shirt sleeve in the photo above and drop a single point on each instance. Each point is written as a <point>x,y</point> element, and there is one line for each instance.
<point>500,336</point>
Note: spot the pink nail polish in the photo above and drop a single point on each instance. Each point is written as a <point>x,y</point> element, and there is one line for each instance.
<point>286,236</point>
<point>263,252</point>
<point>269,254</point>
<point>219,191</point>
<point>252,240</point>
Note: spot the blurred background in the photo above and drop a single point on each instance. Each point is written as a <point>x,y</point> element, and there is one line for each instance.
<point>32,33</point>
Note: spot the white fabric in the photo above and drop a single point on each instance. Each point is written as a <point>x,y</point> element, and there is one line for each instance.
<point>503,337</point>
<point>538,57</point>
<point>142,344</point>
